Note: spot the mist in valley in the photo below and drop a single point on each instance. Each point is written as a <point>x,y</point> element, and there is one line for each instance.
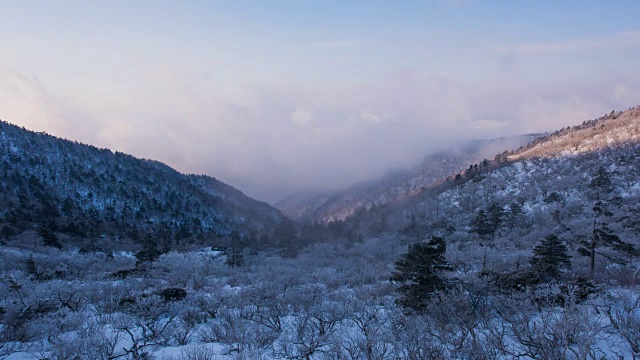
<point>319,180</point>
<point>273,106</point>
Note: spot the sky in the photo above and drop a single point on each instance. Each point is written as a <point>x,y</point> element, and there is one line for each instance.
<point>276,97</point>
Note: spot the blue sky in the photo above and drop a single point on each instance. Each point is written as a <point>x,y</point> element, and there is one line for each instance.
<point>280,96</point>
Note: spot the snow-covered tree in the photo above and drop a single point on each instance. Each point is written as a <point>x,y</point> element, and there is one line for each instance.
<point>420,271</point>
<point>550,257</point>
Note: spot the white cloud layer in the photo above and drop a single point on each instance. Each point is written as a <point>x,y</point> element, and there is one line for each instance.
<point>273,140</point>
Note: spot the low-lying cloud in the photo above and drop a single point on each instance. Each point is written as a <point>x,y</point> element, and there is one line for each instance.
<point>272,140</point>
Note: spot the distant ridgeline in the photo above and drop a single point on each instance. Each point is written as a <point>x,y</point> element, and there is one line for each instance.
<point>67,192</point>
<point>549,187</point>
<point>615,129</point>
<point>339,205</point>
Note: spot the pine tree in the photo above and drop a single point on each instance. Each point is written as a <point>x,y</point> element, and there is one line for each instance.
<point>495,216</point>
<point>149,250</point>
<point>49,238</point>
<point>550,257</point>
<point>515,216</point>
<point>420,273</point>
<point>600,184</point>
<point>235,250</point>
<point>601,235</point>
<point>31,267</point>
<point>482,225</point>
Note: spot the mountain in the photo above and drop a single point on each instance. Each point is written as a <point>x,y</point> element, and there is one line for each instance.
<point>529,255</point>
<point>57,187</point>
<point>614,129</point>
<point>326,207</point>
<point>579,184</point>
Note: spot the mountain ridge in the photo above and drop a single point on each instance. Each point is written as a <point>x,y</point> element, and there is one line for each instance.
<point>77,189</point>
<point>507,205</point>
<point>338,205</point>
<point>613,129</point>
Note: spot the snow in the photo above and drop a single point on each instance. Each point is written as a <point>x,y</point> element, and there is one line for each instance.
<point>21,356</point>
<point>174,352</point>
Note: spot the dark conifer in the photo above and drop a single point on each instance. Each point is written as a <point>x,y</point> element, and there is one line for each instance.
<point>482,226</point>
<point>550,257</point>
<point>420,273</point>
<point>495,216</point>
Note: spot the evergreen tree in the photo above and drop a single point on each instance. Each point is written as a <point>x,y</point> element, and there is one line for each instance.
<point>603,236</point>
<point>420,273</point>
<point>481,225</point>
<point>285,234</point>
<point>49,238</point>
<point>379,223</point>
<point>600,184</point>
<point>495,216</point>
<point>31,267</point>
<point>235,250</point>
<point>550,257</point>
<point>515,216</point>
<point>149,250</point>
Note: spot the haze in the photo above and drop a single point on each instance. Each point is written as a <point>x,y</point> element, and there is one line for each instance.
<point>275,97</point>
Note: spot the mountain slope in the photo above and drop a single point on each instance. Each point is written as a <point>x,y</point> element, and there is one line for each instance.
<point>610,130</point>
<point>342,204</point>
<point>494,215</point>
<point>64,187</point>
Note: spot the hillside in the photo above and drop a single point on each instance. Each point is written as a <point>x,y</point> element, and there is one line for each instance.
<point>570,184</point>
<point>57,187</point>
<point>615,129</point>
<point>535,258</point>
<point>342,204</point>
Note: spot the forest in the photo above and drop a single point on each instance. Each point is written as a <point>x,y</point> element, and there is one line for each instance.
<point>519,257</point>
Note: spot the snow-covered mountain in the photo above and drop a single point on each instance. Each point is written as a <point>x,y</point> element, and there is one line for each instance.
<point>567,184</point>
<point>326,207</point>
<point>615,129</point>
<point>541,252</point>
<point>60,187</point>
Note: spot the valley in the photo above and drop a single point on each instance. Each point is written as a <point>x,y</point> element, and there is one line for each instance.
<point>527,253</point>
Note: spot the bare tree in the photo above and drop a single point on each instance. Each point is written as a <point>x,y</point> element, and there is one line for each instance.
<point>621,308</point>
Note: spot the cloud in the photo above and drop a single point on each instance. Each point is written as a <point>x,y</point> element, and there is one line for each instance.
<point>370,117</point>
<point>333,44</point>
<point>508,60</point>
<point>301,117</point>
<point>538,114</point>
<point>26,101</point>
<point>626,95</point>
<point>270,140</point>
<point>624,39</point>
<point>488,125</point>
